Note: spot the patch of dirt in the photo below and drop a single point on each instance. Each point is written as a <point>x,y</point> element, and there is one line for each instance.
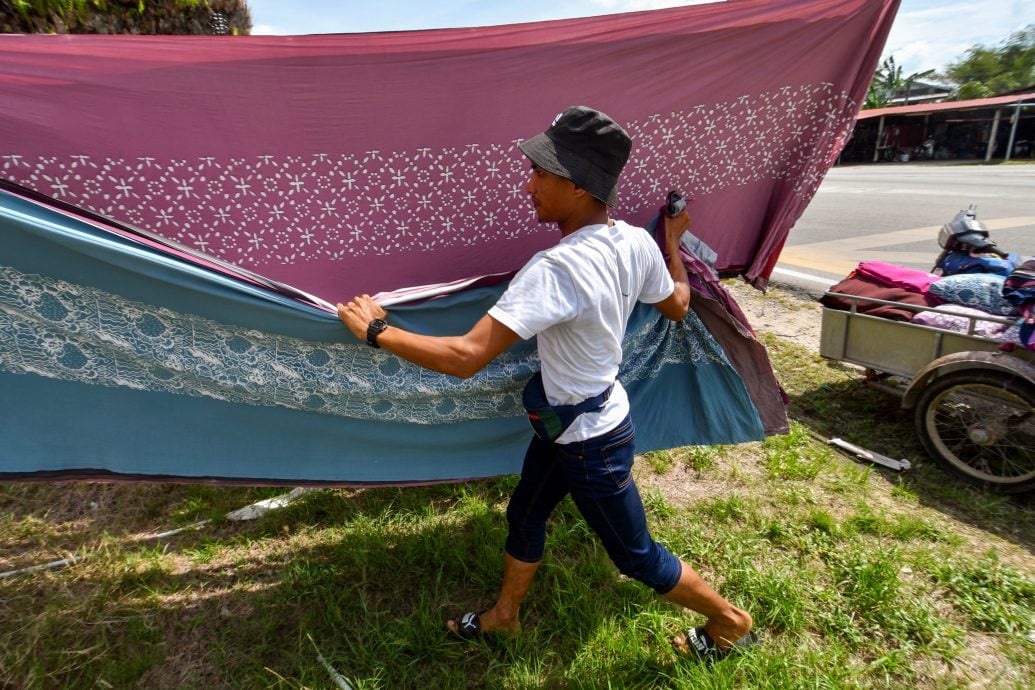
<point>787,314</point>
<point>980,664</point>
<point>737,468</point>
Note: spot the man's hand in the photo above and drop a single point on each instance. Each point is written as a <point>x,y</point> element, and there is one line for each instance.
<point>357,315</point>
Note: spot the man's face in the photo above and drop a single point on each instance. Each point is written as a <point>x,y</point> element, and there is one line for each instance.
<point>552,195</point>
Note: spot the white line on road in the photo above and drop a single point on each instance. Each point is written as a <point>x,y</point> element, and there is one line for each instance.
<point>803,276</point>
<point>949,192</point>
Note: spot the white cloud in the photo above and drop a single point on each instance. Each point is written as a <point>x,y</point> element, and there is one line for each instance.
<point>930,35</point>
<point>266,30</point>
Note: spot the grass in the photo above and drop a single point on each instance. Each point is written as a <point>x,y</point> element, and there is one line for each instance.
<point>856,576</point>
<point>1012,161</point>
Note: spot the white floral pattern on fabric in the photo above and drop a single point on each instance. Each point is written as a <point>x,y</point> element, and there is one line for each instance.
<point>60,330</point>
<point>287,210</point>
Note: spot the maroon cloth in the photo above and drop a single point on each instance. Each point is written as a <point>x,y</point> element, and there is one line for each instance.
<point>748,357</point>
<point>342,164</point>
<point>863,286</point>
<point>727,323</point>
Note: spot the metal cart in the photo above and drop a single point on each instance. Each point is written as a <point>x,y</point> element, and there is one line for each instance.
<point>973,402</point>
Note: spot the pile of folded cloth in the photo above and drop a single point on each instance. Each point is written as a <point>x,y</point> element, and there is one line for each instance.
<point>1004,305</point>
<point>972,277</point>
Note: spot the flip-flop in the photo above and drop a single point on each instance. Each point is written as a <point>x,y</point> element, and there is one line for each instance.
<point>468,626</point>
<point>701,644</point>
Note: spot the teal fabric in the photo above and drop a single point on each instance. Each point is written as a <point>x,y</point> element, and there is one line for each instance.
<point>982,291</point>
<point>116,358</point>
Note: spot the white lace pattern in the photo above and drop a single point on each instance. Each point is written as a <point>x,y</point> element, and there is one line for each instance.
<point>60,330</point>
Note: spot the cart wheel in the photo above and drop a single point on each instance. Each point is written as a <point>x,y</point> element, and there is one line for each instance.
<point>981,425</point>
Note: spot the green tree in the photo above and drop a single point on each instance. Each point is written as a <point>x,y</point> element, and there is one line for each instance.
<point>888,83</point>
<point>985,71</point>
<point>125,16</point>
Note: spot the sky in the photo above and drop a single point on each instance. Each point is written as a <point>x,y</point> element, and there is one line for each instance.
<point>927,34</point>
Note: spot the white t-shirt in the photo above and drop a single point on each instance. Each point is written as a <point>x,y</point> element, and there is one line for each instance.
<point>577,297</point>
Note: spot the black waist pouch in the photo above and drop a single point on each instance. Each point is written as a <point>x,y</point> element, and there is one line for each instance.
<point>549,421</point>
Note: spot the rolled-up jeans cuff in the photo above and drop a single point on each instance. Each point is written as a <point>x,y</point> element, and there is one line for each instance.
<point>522,559</point>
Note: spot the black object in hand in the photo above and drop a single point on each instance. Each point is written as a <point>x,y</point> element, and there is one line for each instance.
<point>675,204</point>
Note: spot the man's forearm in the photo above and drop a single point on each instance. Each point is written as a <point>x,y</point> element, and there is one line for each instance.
<point>444,354</point>
<point>462,356</point>
<point>677,270</point>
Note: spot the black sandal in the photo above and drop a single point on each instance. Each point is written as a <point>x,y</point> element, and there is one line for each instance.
<point>701,644</point>
<point>468,626</point>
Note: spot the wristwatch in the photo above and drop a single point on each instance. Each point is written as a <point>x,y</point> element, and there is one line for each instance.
<point>374,329</point>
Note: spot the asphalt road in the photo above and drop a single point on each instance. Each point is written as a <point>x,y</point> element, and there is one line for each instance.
<point>892,212</point>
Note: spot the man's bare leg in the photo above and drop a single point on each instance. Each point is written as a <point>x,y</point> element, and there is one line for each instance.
<point>503,617</point>
<point>726,623</point>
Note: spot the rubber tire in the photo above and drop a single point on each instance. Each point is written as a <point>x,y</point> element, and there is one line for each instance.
<point>926,428</point>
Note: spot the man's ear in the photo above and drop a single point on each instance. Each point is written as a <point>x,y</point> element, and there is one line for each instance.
<point>583,197</point>
<point>580,193</point>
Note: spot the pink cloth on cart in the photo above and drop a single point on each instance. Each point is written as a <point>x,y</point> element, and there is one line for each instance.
<point>893,275</point>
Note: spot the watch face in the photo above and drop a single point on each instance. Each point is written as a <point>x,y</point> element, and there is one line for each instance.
<point>374,328</point>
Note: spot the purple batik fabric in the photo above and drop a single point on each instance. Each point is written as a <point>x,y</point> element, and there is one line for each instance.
<point>342,164</point>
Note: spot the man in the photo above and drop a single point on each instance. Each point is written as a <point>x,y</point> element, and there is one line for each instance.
<point>576,297</point>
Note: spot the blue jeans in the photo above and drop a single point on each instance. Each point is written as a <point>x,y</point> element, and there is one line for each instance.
<point>598,475</point>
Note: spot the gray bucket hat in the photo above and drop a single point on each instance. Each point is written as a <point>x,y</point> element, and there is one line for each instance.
<point>585,146</point>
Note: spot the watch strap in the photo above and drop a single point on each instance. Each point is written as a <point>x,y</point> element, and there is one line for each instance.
<point>374,329</point>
